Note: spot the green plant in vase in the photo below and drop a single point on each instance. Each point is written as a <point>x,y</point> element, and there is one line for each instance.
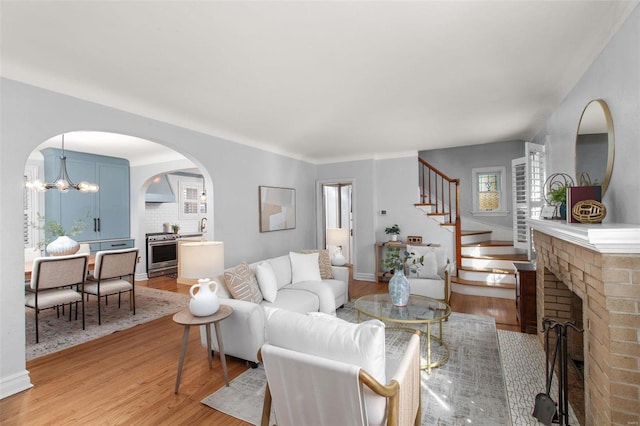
<point>393,231</point>
<point>55,232</point>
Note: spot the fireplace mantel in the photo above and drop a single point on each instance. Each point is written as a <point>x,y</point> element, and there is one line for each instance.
<point>600,237</point>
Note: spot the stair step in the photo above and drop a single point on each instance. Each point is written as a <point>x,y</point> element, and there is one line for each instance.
<point>515,256</point>
<point>474,237</point>
<point>482,283</point>
<point>490,243</point>
<point>487,275</point>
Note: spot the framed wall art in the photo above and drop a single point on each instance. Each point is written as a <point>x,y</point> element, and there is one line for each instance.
<point>277,208</point>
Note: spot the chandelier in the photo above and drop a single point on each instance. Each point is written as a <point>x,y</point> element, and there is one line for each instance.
<point>63,182</point>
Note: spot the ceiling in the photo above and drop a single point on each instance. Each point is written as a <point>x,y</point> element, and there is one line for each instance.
<point>321,81</point>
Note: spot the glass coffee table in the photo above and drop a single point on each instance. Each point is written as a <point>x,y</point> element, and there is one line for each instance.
<point>420,311</point>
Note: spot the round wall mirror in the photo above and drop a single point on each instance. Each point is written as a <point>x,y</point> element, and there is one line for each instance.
<point>594,145</point>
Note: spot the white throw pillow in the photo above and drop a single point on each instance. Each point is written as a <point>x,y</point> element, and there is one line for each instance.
<point>429,267</point>
<point>267,281</point>
<point>304,267</point>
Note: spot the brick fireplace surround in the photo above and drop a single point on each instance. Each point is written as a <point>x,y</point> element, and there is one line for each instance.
<point>601,265</point>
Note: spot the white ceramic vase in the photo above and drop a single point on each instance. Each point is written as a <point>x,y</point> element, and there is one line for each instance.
<point>204,302</point>
<point>63,246</point>
<point>394,237</point>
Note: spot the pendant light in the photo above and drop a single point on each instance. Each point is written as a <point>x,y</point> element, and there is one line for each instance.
<point>63,182</point>
<point>203,196</point>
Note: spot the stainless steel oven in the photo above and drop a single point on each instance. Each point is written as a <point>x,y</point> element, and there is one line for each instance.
<point>162,254</point>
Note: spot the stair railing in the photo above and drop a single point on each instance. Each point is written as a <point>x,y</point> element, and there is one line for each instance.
<point>443,193</point>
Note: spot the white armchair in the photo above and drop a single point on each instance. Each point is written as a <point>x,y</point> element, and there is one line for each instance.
<point>433,278</point>
<point>325,371</point>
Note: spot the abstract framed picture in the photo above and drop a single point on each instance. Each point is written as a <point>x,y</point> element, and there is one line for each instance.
<point>277,208</point>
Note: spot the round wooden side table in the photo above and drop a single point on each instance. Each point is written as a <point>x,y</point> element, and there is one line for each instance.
<point>187,319</point>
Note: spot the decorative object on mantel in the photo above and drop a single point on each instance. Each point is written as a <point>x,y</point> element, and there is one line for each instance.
<point>577,194</point>
<point>555,192</point>
<point>63,182</point>
<point>393,231</point>
<point>589,211</point>
<point>399,287</point>
<point>198,260</point>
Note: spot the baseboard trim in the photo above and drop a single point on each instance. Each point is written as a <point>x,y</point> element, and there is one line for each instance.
<point>15,383</point>
<point>365,277</point>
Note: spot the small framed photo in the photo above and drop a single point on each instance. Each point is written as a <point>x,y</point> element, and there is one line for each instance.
<point>548,212</point>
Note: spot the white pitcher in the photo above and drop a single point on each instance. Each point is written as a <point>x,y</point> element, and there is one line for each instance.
<point>204,302</point>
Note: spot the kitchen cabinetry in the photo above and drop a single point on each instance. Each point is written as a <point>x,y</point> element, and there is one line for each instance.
<point>526,311</point>
<point>106,212</point>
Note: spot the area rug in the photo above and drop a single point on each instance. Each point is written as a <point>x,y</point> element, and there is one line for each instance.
<point>57,334</point>
<point>468,389</point>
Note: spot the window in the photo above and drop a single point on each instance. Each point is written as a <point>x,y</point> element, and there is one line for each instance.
<point>489,191</point>
<point>191,205</point>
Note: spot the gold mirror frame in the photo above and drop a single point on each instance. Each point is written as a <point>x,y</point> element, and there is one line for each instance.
<point>610,142</point>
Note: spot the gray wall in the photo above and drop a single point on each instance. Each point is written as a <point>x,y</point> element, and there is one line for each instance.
<point>31,115</point>
<point>615,77</point>
<point>458,163</point>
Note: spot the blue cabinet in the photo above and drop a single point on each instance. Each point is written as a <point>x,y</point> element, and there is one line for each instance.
<point>106,212</point>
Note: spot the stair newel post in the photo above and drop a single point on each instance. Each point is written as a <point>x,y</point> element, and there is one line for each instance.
<point>458,226</point>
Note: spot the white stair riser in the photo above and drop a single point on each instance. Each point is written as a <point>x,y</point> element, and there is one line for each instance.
<point>486,277</point>
<point>438,218</point>
<point>489,250</point>
<point>487,263</point>
<point>476,238</point>
<point>427,209</point>
<point>502,293</point>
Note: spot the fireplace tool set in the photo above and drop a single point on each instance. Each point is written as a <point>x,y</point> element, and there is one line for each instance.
<point>545,409</point>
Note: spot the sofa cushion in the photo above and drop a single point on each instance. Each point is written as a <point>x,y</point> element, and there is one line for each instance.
<point>267,281</point>
<point>304,267</point>
<point>295,300</point>
<point>360,344</point>
<point>324,263</point>
<point>242,283</point>
<point>282,268</point>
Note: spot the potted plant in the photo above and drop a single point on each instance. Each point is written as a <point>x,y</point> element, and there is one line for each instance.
<point>175,227</point>
<point>558,197</point>
<point>58,240</point>
<point>393,231</point>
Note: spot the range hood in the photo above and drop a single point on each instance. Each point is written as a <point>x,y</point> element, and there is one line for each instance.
<point>160,191</point>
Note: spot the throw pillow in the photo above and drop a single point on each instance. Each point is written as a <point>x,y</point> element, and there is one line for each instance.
<point>242,283</point>
<point>267,281</point>
<point>304,267</point>
<point>324,263</point>
<point>429,267</point>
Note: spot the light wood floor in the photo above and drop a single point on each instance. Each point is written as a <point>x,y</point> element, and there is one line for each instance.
<point>128,377</point>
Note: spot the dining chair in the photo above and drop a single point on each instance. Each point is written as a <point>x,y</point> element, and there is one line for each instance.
<point>113,274</point>
<point>52,284</point>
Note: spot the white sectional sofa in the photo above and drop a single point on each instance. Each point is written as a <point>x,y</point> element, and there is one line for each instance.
<point>298,287</point>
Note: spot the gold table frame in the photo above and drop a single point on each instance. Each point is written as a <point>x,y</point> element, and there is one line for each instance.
<point>419,310</point>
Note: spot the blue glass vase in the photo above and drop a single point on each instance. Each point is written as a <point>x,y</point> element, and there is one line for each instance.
<point>399,288</point>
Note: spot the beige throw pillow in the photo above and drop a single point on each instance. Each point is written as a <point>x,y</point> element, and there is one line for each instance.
<point>324,263</point>
<point>242,283</point>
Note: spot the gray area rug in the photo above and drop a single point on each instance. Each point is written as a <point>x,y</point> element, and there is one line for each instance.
<point>57,334</point>
<point>468,389</point>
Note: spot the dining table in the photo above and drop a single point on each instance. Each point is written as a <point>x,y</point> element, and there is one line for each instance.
<point>28,266</point>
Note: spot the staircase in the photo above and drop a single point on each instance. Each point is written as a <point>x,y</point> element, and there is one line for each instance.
<point>484,266</point>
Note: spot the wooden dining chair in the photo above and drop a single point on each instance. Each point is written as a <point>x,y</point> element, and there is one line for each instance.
<point>57,281</point>
<point>113,274</point>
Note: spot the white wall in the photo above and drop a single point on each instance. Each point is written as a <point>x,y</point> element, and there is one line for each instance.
<point>30,116</point>
<point>615,77</point>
